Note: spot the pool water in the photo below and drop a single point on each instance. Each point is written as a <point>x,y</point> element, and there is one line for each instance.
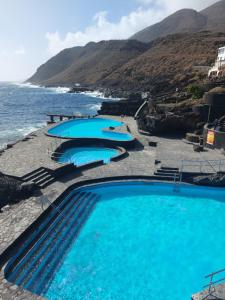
<point>144,244</point>
<point>142,240</point>
<point>84,155</point>
<point>89,128</point>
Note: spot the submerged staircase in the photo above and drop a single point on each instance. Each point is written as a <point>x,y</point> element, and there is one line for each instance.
<point>36,262</point>
<point>42,177</point>
<point>167,173</point>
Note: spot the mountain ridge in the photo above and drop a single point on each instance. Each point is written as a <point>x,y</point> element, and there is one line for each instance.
<point>133,64</point>
<point>211,18</point>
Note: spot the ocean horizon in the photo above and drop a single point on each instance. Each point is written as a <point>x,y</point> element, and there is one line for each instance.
<point>23,107</point>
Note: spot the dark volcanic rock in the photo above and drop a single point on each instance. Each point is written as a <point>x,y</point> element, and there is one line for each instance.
<point>126,107</point>
<point>80,89</point>
<point>13,190</point>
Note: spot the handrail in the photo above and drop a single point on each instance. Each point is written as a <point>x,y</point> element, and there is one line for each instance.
<point>211,285</point>
<point>201,163</point>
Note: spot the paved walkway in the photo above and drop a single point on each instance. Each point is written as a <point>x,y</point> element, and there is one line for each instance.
<point>29,155</point>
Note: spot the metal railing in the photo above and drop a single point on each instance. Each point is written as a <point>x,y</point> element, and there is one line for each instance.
<point>214,165</point>
<point>212,283</point>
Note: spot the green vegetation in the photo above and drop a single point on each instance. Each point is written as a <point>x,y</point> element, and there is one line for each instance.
<point>196,91</point>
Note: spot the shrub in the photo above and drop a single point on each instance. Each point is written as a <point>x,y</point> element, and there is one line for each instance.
<point>196,91</point>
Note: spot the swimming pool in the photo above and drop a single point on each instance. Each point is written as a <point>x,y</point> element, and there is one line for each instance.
<point>139,240</point>
<point>89,128</point>
<point>84,155</point>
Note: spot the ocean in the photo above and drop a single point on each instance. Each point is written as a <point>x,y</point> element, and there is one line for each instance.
<point>23,108</point>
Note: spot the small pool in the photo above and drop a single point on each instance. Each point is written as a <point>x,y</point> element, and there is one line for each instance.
<point>84,155</point>
<point>89,128</point>
<point>126,240</point>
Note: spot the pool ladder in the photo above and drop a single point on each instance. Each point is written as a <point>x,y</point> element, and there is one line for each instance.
<point>211,285</point>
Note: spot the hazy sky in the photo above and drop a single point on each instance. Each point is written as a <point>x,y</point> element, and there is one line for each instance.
<point>31,31</point>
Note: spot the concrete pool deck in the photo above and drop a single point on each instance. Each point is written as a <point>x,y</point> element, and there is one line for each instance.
<point>26,156</point>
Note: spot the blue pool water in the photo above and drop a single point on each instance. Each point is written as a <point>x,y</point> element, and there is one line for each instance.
<point>141,241</point>
<point>89,128</point>
<point>84,155</point>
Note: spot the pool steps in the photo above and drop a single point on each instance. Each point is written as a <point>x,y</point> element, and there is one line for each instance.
<point>42,177</point>
<point>167,173</point>
<point>34,267</point>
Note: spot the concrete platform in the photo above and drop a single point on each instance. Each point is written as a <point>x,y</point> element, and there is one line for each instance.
<point>26,156</point>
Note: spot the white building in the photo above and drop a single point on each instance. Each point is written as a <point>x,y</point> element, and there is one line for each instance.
<point>218,70</point>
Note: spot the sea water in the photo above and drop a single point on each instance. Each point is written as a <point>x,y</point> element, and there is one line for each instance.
<point>23,107</point>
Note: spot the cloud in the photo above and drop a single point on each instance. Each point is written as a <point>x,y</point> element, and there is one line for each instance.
<point>103,29</point>
<point>10,53</point>
<point>171,6</point>
<point>150,12</point>
<point>20,50</point>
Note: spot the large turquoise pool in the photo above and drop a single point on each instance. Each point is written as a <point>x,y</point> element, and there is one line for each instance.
<point>89,128</point>
<point>139,240</point>
<point>84,155</point>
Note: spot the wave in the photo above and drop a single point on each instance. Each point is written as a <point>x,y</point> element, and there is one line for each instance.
<point>15,135</point>
<point>29,129</point>
<point>94,107</point>
<point>98,94</point>
<point>58,90</point>
<point>27,85</point>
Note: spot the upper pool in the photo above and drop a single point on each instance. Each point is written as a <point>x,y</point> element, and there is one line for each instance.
<point>89,128</point>
<point>126,240</point>
<point>84,155</point>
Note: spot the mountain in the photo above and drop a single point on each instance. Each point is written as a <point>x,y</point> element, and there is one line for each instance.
<point>87,65</point>
<point>186,20</point>
<point>162,62</point>
<point>170,62</point>
<point>167,62</point>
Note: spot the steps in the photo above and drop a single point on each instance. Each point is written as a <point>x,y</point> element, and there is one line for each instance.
<point>36,263</point>
<point>167,173</point>
<point>42,177</point>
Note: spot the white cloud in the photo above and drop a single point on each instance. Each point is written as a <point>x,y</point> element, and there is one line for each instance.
<point>150,12</point>
<point>10,53</point>
<point>20,50</point>
<point>103,29</point>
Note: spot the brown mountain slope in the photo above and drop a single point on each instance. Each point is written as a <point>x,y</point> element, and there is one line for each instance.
<point>186,20</point>
<point>56,64</point>
<point>215,16</point>
<point>90,64</point>
<point>169,62</point>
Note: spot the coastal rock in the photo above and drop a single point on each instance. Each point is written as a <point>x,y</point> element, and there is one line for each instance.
<point>13,189</point>
<point>118,108</point>
<point>80,89</point>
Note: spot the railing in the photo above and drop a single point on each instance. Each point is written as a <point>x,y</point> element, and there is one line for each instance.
<point>214,165</point>
<point>212,283</point>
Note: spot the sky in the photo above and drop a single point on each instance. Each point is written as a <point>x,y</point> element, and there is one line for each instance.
<point>32,31</point>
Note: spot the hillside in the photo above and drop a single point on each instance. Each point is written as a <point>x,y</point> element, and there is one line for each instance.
<point>87,65</point>
<point>163,64</point>
<point>169,62</point>
<point>186,20</point>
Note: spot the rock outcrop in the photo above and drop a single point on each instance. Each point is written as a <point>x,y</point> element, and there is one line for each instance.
<point>12,190</point>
